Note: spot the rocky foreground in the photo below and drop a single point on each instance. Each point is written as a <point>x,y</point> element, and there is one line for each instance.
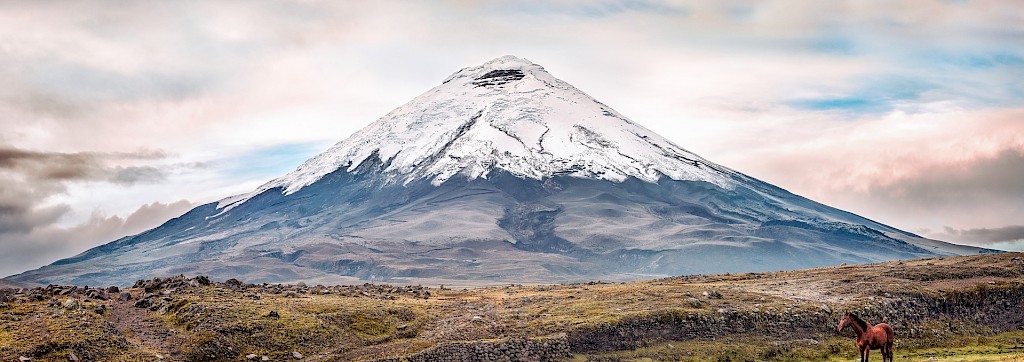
<point>942,309</point>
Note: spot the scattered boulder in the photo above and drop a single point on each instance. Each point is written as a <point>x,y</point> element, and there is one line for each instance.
<point>161,305</point>
<point>250,356</point>
<point>96,294</point>
<point>273,314</point>
<point>143,303</point>
<point>125,296</point>
<point>694,302</point>
<point>296,354</point>
<point>71,303</point>
<point>113,289</point>
<point>178,281</point>
<point>713,294</point>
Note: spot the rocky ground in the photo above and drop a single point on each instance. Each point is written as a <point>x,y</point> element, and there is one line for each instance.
<point>953,309</point>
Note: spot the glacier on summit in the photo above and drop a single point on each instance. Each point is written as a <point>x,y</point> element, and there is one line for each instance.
<point>502,173</point>
<point>508,114</point>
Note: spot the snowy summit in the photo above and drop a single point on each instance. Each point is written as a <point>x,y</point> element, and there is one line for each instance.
<point>507,114</point>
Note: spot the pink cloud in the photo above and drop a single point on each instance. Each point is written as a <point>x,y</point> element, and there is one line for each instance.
<point>955,168</point>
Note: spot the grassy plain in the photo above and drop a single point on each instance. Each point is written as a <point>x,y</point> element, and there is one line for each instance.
<point>943,309</point>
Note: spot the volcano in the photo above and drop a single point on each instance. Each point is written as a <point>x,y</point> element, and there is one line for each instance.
<point>501,174</point>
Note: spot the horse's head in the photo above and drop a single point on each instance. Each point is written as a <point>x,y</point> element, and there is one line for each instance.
<point>845,321</point>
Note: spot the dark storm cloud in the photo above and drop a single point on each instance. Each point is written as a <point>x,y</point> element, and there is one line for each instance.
<point>46,243</point>
<point>43,166</point>
<point>30,178</point>
<point>987,235</point>
<point>996,179</point>
<point>19,214</point>
<point>81,166</point>
<point>30,233</point>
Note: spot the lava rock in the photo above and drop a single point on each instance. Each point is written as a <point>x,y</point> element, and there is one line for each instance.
<point>143,303</point>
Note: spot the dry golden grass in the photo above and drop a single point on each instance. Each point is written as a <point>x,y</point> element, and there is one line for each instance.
<point>218,322</point>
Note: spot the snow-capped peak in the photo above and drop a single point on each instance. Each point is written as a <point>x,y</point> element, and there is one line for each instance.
<point>507,114</point>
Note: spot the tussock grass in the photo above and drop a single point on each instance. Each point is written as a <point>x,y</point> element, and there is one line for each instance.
<point>228,321</point>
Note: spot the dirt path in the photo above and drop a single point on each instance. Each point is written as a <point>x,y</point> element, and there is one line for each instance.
<point>144,329</point>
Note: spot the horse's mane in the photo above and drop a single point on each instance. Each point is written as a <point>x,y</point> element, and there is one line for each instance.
<point>863,325</point>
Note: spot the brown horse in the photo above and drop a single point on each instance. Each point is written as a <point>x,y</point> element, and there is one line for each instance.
<point>869,337</point>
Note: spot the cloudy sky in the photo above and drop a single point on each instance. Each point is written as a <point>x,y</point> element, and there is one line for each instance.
<point>115,116</point>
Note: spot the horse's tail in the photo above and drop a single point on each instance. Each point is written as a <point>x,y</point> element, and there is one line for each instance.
<point>890,342</point>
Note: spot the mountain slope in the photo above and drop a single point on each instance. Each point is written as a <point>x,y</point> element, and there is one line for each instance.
<point>502,173</point>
